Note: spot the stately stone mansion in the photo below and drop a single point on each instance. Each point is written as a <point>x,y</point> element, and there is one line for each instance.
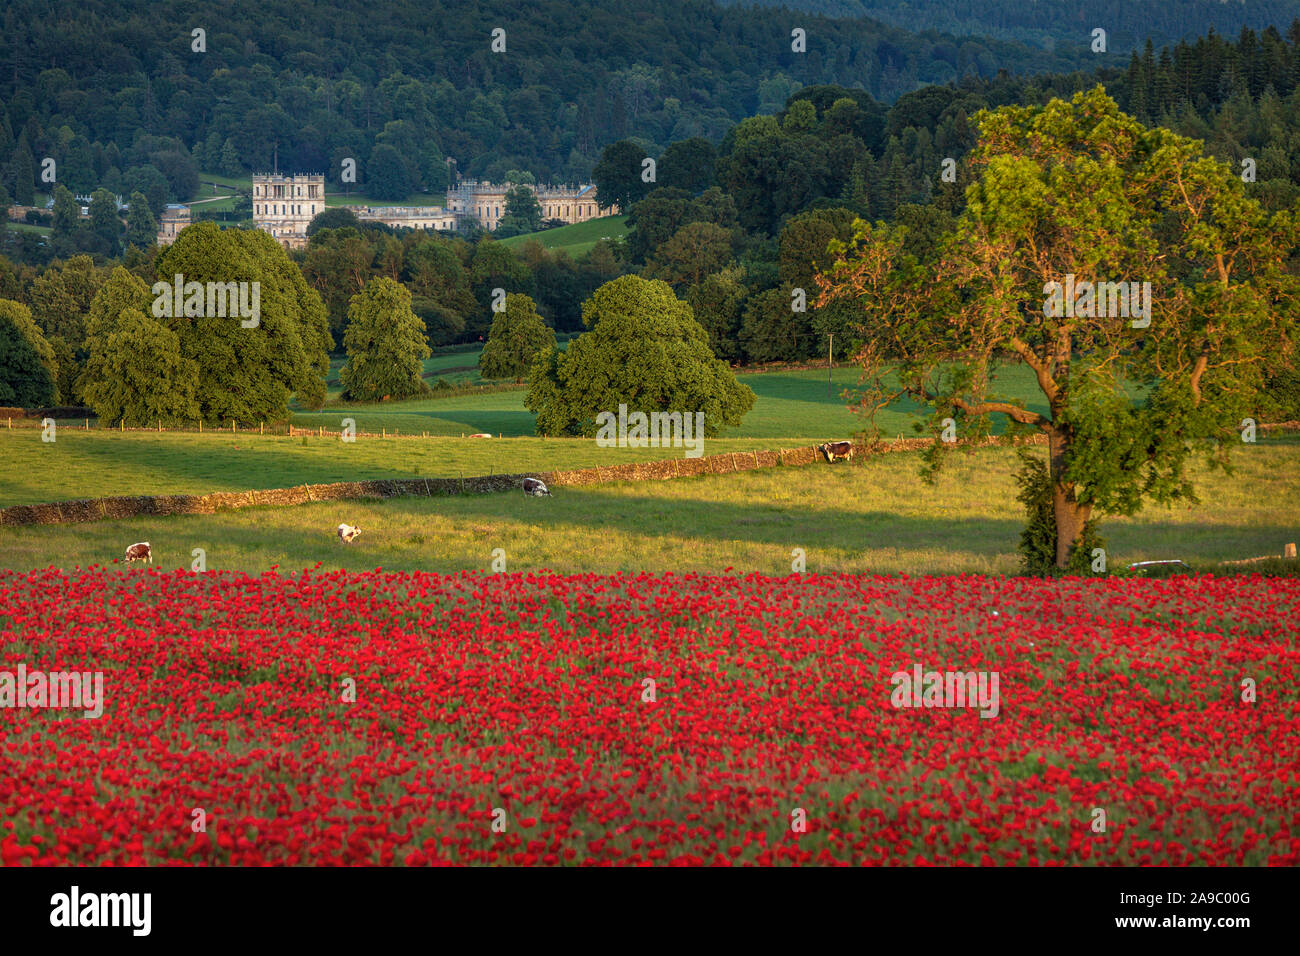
<point>285,205</point>
<point>486,202</point>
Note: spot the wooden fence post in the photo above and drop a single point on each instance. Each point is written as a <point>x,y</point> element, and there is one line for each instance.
<point>261,428</point>
<point>200,426</point>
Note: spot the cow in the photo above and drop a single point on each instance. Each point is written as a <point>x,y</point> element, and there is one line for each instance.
<point>481,435</point>
<point>836,449</point>
<point>536,488</point>
<point>347,533</point>
<point>139,552</point>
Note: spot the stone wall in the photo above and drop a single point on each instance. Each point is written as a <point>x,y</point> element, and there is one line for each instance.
<point>94,509</point>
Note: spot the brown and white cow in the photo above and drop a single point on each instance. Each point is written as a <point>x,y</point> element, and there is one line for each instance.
<point>139,552</point>
<point>347,534</point>
<point>837,449</point>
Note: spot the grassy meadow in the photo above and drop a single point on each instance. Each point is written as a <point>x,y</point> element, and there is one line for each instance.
<point>103,463</point>
<point>576,239</point>
<point>791,404</point>
<point>869,516</point>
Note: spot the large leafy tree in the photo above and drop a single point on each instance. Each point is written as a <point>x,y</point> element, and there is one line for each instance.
<point>141,227</point>
<point>643,348</point>
<point>104,222</point>
<point>27,369</point>
<point>618,175</point>
<point>696,250</point>
<point>387,175</point>
<point>386,344</point>
<point>248,374</point>
<point>60,298</point>
<point>518,334</point>
<point>67,214</point>
<point>136,373</point>
<point>1079,189</point>
<point>689,164</point>
<point>523,212</point>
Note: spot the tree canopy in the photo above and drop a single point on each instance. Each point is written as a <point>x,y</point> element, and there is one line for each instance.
<point>27,369</point>
<point>518,335</point>
<point>643,349</point>
<point>385,343</point>
<point>248,373</point>
<point>1146,289</point>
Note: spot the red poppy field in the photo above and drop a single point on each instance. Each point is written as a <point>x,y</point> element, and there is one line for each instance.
<point>509,719</point>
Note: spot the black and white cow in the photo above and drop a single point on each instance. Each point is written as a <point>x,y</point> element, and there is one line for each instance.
<point>536,488</point>
<point>837,449</point>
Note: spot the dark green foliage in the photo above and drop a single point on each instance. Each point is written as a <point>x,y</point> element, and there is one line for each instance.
<point>141,227</point>
<point>518,334</point>
<point>387,175</point>
<point>643,348</point>
<point>523,213</point>
<point>1038,539</point>
<point>618,175</point>
<point>137,375</point>
<point>248,374</point>
<point>27,369</point>
<point>386,345</point>
<point>336,217</point>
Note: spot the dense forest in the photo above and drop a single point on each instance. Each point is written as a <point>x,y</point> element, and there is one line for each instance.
<point>106,87</point>
<point>737,224</point>
<point>1046,23</point>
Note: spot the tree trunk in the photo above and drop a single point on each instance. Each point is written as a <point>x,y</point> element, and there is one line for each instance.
<point>1071,517</point>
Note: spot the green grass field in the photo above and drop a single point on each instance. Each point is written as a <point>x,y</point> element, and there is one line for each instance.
<point>791,404</point>
<point>868,516</point>
<point>104,463</point>
<point>577,239</point>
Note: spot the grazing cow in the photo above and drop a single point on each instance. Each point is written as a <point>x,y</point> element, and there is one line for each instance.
<point>347,533</point>
<point>139,552</point>
<point>536,487</point>
<point>837,449</point>
<point>481,435</point>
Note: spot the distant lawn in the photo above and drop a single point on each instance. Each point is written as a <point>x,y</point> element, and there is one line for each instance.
<point>458,368</point>
<point>206,204</point>
<point>221,179</point>
<point>28,227</point>
<point>868,516</point>
<point>790,404</point>
<point>577,239</point>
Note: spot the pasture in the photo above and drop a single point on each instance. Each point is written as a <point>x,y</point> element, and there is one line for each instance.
<point>576,239</point>
<point>791,404</point>
<point>869,516</point>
